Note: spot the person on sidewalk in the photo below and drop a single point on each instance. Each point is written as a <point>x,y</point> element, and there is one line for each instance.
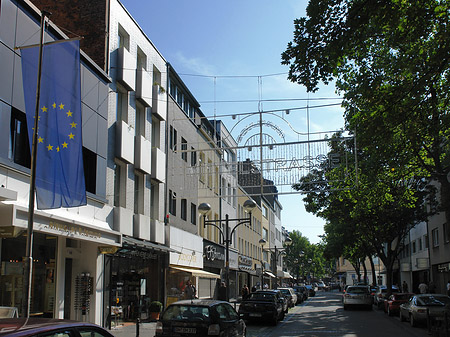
<point>405,287</point>
<point>222,294</point>
<point>189,291</point>
<point>423,288</point>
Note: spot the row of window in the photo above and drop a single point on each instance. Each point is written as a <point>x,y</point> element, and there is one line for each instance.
<point>249,249</point>
<point>183,208</point>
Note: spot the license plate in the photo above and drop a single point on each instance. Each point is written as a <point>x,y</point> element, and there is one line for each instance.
<point>255,314</point>
<point>185,330</point>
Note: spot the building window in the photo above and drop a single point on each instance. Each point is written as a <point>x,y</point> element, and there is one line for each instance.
<point>202,167</point>
<point>90,170</point>
<point>193,214</point>
<point>121,106</point>
<point>117,179</point>
<point>19,148</point>
<point>184,209</point>
<point>184,148</point>
<point>446,233</point>
<point>172,138</point>
<point>419,240</point>
<point>172,202</point>
<point>193,157</point>
<point>425,241</point>
<point>414,247</point>
<point>123,38</point>
<point>435,237</point>
<point>264,211</point>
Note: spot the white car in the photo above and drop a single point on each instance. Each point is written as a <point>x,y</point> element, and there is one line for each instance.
<point>291,295</point>
<point>357,296</point>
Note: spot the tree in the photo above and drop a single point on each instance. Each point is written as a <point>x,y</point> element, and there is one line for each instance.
<point>390,60</point>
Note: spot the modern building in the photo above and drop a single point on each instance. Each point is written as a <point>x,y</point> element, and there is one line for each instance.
<point>69,244</point>
<point>134,132</point>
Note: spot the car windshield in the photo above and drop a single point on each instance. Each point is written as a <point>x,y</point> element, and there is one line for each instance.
<point>433,300</point>
<point>285,291</point>
<point>393,290</point>
<point>261,296</point>
<point>358,290</point>
<point>185,313</point>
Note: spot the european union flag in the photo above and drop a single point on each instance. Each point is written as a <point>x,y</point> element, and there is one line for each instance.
<point>59,158</point>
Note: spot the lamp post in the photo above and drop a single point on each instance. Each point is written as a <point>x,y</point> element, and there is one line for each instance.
<point>204,209</point>
<point>277,252</point>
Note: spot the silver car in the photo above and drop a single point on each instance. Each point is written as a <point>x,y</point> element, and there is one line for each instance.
<point>415,310</point>
<point>357,296</point>
<point>292,296</point>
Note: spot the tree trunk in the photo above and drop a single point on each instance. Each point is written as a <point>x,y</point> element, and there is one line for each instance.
<point>364,268</point>
<point>372,266</point>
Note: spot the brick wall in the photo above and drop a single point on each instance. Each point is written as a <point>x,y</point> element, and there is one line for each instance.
<point>87,18</point>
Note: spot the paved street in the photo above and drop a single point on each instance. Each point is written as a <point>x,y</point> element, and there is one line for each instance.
<point>321,316</point>
<point>324,316</point>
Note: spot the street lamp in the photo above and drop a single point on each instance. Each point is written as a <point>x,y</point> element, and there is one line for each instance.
<point>204,209</point>
<point>277,252</point>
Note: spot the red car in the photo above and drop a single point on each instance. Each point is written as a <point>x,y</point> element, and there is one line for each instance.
<point>22,327</point>
<point>392,305</point>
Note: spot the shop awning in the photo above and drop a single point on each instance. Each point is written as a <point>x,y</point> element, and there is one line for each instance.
<point>283,274</point>
<point>132,242</point>
<point>268,273</point>
<point>197,272</point>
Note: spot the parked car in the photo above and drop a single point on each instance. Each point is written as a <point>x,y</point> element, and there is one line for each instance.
<point>291,296</point>
<point>392,304</point>
<point>311,291</point>
<point>302,293</point>
<point>266,305</point>
<point>357,296</point>
<point>200,318</point>
<point>380,295</point>
<point>33,327</point>
<point>321,286</point>
<point>415,310</point>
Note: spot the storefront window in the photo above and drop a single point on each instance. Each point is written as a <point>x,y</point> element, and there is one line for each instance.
<point>176,282</point>
<point>44,277</point>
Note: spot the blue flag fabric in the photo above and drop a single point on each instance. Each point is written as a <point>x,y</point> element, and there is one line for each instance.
<point>59,158</point>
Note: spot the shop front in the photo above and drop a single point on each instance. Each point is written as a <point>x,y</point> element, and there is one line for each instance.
<point>135,278</point>
<point>247,275</point>
<point>186,264</point>
<point>67,274</point>
<point>214,262</point>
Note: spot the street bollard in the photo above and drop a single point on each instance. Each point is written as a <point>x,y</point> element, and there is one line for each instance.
<point>137,327</point>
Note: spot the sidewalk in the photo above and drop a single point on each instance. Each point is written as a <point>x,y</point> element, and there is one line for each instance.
<point>129,330</point>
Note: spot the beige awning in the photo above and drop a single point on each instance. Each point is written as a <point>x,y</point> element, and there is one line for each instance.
<point>197,272</point>
<point>283,274</point>
<point>268,273</point>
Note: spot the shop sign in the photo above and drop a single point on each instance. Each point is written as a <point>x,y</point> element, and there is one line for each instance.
<point>245,261</point>
<point>212,254</point>
<point>443,268</point>
<point>73,230</point>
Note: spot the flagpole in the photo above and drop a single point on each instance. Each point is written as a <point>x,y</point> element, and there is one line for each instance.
<point>28,260</point>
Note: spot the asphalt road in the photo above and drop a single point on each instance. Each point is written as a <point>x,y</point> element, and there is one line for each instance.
<point>324,316</point>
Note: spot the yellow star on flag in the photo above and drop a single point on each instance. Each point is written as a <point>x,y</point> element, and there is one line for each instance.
<point>69,113</point>
<point>61,106</point>
<point>71,136</point>
<point>57,149</point>
<point>40,140</point>
<point>44,109</point>
<point>49,147</point>
<point>54,105</point>
<point>64,145</point>
<point>73,124</point>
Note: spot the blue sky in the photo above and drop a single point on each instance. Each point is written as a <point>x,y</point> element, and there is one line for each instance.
<point>234,49</point>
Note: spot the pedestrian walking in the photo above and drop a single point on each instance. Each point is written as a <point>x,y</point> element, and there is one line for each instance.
<point>222,293</point>
<point>405,287</point>
<point>423,288</point>
<point>189,291</point>
<point>245,292</point>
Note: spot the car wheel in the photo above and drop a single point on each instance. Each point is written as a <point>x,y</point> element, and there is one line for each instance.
<point>412,321</point>
<point>402,318</point>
